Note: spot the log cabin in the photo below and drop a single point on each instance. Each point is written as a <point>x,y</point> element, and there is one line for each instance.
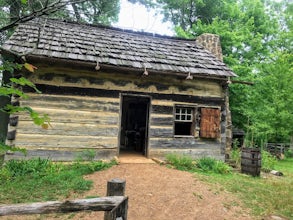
<point>109,91</point>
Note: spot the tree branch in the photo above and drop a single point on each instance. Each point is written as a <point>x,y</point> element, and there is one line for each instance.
<point>46,10</point>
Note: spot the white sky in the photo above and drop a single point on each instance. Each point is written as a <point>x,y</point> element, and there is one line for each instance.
<point>137,17</point>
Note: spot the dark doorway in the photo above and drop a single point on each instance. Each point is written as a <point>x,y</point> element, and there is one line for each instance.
<point>134,123</point>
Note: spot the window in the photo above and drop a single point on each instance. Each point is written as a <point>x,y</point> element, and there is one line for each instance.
<point>197,121</point>
<point>183,121</point>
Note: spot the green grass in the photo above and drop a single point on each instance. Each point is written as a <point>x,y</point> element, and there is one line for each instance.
<point>41,180</point>
<point>262,195</point>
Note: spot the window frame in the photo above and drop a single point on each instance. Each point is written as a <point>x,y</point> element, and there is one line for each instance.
<point>191,120</point>
<point>195,120</point>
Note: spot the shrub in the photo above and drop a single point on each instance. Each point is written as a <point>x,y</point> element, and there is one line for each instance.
<point>268,161</point>
<point>288,153</point>
<point>181,162</point>
<point>25,167</point>
<point>208,164</point>
<point>236,156</point>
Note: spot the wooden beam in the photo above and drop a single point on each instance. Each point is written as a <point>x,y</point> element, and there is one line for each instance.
<point>93,204</point>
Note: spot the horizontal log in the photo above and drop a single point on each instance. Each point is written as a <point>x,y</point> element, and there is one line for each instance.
<point>194,153</point>
<point>77,105</point>
<point>93,204</point>
<point>204,98</point>
<point>161,109</point>
<point>166,132</point>
<point>63,141</point>
<point>72,102</point>
<point>162,120</point>
<point>76,116</point>
<point>131,83</point>
<point>183,143</point>
<point>63,154</point>
<point>27,127</point>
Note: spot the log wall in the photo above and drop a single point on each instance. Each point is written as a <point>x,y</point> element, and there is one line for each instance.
<point>84,108</point>
<point>161,132</point>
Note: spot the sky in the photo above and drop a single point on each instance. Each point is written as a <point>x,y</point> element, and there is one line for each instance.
<point>137,17</point>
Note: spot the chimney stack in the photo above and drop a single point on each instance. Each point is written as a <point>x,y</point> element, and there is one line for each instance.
<point>211,42</point>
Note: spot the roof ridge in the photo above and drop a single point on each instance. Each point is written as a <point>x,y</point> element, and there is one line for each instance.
<point>127,31</point>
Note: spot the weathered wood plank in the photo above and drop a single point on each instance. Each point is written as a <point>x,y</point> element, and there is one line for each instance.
<point>27,127</point>
<point>204,98</point>
<point>115,81</point>
<point>57,141</point>
<point>160,109</point>
<point>161,120</point>
<point>182,143</point>
<point>76,116</point>
<point>77,105</point>
<point>93,204</point>
<point>194,153</point>
<point>166,131</point>
<point>63,155</point>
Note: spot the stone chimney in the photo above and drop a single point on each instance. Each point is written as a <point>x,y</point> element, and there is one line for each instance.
<point>211,42</point>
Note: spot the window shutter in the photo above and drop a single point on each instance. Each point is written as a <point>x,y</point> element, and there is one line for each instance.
<point>210,123</point>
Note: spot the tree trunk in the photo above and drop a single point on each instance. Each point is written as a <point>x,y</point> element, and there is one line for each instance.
<point>4,100</point>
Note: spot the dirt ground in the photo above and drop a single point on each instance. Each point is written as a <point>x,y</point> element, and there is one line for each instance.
<point>160,193</point>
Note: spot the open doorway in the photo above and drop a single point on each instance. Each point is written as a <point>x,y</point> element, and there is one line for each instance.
<point>134,123</point>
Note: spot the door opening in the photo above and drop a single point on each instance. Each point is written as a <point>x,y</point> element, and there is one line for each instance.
<point>134,123</point>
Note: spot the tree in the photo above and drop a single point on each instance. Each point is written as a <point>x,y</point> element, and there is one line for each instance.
<point>256,37</point>
<point>90,11</point>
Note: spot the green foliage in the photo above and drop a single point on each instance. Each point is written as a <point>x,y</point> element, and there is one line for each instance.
<point>288,153</point>
<point>41,179</point>
<point>181,162</point>
<point>205,164</point>
<point>236,156</point>
<point>208,164</point>
<point>19,168</point>
<point>8,89</point>
<point>90,11</point>
<point>257,42</point>
<point>4,148</point>
<point>263,196</point>
<point>268,161</point>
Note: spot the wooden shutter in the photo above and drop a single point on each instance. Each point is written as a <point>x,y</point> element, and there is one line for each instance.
<point>210,123</point>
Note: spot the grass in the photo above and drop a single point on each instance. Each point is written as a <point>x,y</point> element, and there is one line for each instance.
<point>262,195</point>
<point>42,180</point>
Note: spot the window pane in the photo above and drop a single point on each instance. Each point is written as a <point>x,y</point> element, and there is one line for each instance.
<point>188,111</point>
<point>177,110</point>
<point>183,128</point>
<point>183,117</point>
<point>189,117</point>
<point>177,117</point>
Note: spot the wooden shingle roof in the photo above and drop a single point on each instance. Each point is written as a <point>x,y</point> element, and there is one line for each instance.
<point>50,38</point>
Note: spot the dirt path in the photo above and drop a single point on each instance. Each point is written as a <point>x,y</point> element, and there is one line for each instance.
<point>160,193</point>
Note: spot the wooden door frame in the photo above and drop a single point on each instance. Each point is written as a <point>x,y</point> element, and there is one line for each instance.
<point>121,96</point>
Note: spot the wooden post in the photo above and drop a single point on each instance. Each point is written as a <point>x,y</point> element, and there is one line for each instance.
<point>116,187</point>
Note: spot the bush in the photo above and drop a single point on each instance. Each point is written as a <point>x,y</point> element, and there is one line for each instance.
<point>181,162</point>
<point>236,156</point>
<point>205,164</point>
<point>288,153</point>
<point>26,167</point>
<point>268,161</point>
<point>208,164</point>
<point>41,179</point>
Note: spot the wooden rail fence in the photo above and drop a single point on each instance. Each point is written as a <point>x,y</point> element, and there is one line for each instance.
<point>115,204</point>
